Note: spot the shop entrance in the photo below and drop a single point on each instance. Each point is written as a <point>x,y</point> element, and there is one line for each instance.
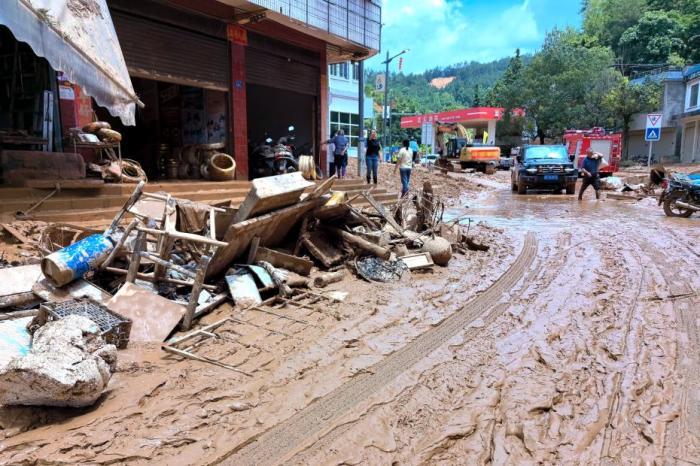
<point>175,125</point>
<point>270,113</point>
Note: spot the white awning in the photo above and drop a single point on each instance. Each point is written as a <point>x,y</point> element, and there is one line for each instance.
<point>77,37</point>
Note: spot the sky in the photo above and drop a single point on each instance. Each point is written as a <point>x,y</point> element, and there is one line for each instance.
<point>444,32</point>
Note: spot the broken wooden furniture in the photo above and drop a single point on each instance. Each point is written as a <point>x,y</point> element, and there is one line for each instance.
<point>156,217</point>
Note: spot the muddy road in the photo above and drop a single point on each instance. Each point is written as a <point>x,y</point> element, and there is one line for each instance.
<point>574,340</point>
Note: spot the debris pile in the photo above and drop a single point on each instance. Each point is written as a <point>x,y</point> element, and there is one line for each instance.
<point>164,262</point>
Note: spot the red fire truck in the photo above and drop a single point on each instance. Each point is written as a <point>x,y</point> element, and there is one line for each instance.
<point>609,144</point>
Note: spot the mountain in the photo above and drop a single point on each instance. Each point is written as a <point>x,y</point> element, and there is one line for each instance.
<point>413,93</point>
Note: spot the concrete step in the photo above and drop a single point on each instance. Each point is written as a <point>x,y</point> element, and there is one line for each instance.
<point>111,189</point>
<point>100,217</point>
<point>100,201</point>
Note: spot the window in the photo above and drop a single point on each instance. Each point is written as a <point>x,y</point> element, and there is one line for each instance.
<point>349,123</point>
<point>355,71</point>
<point>693,102</point>
<point>339,70</point>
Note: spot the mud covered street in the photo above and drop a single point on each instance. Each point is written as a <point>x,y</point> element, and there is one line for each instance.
<point>573,340</point>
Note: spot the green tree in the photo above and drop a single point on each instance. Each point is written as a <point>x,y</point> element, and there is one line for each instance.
<point>476,100</point>
<point>558,83</point>
<point>657,37</point>
<point>507,93</point>
<point>627,99</point>
<point>607,20</point>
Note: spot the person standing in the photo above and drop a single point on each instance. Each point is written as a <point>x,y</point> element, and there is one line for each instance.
<point>404,164</point>
<point>372,155</point>
<point>591,165</point>
<point>340,153</point>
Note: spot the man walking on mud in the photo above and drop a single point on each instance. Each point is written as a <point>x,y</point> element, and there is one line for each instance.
<point>591,165</point>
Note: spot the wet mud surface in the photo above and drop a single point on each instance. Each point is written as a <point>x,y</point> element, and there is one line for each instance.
<point>574,340</point>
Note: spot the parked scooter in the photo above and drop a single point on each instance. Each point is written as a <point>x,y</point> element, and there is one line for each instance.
<point>285,161</point>
<point>682,195</point>
<point>269,160</point>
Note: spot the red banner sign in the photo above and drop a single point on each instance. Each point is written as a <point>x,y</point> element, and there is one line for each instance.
<point>457,116</point>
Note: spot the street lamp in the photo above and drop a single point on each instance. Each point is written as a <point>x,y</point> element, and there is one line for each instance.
<point>385,130</point>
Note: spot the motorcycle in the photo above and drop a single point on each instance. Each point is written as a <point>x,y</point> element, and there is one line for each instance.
<point>277,159</point>
<point>682,195</point>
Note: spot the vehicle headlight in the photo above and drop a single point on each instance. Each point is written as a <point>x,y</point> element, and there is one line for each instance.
<point>569,170</point>
<point>531,170</point>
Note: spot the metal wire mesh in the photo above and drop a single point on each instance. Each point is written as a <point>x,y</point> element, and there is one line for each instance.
<point>114,328</point>
<point>356,20</point>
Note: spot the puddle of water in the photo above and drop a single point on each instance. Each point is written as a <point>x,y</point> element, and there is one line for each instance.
<point>547,212</point>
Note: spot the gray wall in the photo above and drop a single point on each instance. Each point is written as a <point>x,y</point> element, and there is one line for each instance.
<point>665,148</point>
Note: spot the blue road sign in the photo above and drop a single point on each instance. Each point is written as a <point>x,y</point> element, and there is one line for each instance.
<point>652,134</point>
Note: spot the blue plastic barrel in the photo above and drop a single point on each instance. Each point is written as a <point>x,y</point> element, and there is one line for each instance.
<point>72,262</point>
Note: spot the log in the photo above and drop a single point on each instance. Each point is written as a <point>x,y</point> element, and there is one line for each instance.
<point>299,265</point>
<point>327,278</point>
<point>363,244</point>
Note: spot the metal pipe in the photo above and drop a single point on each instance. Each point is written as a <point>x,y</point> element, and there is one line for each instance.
<point>685,205</point>
<point>361,115</point>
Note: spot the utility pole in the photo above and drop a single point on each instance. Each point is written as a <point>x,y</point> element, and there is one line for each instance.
<point>385,113</point>
<point>386,129</point>
<point>361,115</point>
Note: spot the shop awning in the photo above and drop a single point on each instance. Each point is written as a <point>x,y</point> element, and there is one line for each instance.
<point>76,37</point>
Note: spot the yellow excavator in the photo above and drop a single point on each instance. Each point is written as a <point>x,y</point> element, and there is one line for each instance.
<point>454,140</point>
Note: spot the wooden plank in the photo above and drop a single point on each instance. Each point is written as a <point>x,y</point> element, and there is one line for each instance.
<point>279,259</point>
<point>382,211</point>
<point>87,183</point>
<point>153,317</point>
<point>322,188</point>
<point>16,234</point>
<point>16,284</point>
<point>271,193</point>
<point>272,228</point>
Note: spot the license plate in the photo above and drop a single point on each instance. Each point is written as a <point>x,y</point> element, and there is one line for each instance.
<point>551,177</point>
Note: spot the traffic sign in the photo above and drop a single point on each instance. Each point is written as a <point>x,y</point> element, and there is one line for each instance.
<point>380,82</point>
<point>652,134</point>
<point>653,129</point>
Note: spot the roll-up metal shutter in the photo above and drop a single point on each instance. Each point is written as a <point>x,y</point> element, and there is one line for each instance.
<point>163,52</point>
<point>275,64</point>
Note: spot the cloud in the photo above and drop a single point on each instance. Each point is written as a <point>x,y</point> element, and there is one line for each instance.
<point>444,32</point>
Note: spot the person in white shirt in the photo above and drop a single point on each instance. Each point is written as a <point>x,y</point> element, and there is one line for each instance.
<point>404,164</point>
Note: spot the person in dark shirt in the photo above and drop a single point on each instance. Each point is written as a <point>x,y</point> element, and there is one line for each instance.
<point>340,152</point>
<point>590,173</point>
<point>372,155</point>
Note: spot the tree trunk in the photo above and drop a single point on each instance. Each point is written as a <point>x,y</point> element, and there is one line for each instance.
<point>540,134</point>
<point>626,137</point>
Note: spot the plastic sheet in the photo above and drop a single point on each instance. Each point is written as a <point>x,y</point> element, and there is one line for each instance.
<point>76,37</point>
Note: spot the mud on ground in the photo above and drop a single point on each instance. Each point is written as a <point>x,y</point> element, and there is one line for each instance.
<point>574,340</point>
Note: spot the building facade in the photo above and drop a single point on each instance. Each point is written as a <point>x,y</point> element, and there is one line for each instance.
<point>690,118</point>
<point>344,102</point>
<point>226,72</point>
<point>680,114</point>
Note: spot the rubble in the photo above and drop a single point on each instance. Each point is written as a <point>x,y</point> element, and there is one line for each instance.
<point>165,261</point>
<point>69,364</point>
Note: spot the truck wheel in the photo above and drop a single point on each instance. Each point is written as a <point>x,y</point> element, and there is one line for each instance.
<point>490,169</point>
<point>522,188</point>
<point>571,188</point>
<point>464,165</point>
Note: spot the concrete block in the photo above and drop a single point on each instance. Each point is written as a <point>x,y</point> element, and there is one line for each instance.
<point>69,364</point>
<point>20,165</point>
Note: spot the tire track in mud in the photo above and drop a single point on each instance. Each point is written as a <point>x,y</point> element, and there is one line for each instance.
<point>273,445</point>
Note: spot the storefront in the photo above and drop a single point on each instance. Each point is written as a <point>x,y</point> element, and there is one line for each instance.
<point>184,87</point>
<point>173,74</point>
